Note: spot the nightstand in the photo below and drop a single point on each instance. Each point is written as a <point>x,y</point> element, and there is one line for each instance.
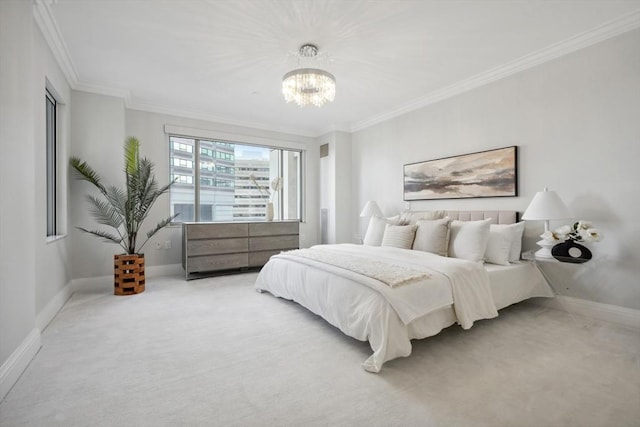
<point>530,256</point>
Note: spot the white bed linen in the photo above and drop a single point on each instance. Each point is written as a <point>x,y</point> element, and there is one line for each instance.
<point>361,311</point>
<point>451,280</point>
<point>516,282</point>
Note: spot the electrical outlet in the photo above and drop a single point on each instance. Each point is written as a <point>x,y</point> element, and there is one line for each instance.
<point>167,244</point>
<point>407,205</point>
<point>158,245</point>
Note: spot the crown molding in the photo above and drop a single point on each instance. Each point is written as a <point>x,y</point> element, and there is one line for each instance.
<point>603,32</point>
<point>158,109</point>
<point>104,90</point>
<point>47,24</point>
<point>51,33</point>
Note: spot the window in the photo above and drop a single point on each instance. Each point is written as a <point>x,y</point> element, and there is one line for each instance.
<point>225,190</point>
<point>51,173</point>
<point>179,146</point>
<point>182,163</point>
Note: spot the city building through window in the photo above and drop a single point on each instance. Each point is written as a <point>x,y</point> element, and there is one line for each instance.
<point>228,181</point>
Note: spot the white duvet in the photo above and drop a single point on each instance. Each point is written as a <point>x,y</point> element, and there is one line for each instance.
<point>369,310</point>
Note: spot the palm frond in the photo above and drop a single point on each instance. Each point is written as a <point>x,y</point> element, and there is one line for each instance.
<point>104,235</point>
<point>159,227</point>
<point>104,212</point>
<point>117,198</point>
<point>85,172</point>
<point>131,155</point>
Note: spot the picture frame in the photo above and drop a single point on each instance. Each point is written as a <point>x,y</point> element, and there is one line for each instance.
<point>490,173</point>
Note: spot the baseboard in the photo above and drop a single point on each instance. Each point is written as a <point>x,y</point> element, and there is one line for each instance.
<point>165,270</point>
<point>15,365</point>
<point>596,310</point>
<point>104,284</point>
<point>47,314</point>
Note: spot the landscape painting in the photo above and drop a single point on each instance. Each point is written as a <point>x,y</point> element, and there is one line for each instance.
<point>490,173</point>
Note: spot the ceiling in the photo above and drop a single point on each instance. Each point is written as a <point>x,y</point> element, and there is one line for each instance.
<point>224,60</point>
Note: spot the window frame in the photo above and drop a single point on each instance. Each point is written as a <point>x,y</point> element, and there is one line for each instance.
<point>197,152</point>
<point>51,163</point>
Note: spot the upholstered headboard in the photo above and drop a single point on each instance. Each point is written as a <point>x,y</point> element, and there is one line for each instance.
<point>497,217</point>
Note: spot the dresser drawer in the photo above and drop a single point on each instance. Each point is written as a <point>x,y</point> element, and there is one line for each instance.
<point>260,258</point>
<point>273,228</point>
<point>273,243</point>
<point>217,262</point>
<point>217,246</point>
<point>216,231</point>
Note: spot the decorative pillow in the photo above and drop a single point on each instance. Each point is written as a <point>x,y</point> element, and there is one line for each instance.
<point>375,230</point>
<point>399,236</point>
<point>468,239</point>
<point>498,245</point>
<point>516,243</point>
<point>432,236</point>
<point>517,230</point>
<point>412,217</point>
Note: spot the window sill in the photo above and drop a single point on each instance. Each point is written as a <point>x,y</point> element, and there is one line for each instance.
<point>52,239</point>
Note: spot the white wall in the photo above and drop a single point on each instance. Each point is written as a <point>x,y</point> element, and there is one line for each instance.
<point>17,176</point>
<point>34,275</point>
<point>575,121</point>
<point>335,196</point>
<point>52,265</point>
<point>99,126</point>
<point>97,137</point>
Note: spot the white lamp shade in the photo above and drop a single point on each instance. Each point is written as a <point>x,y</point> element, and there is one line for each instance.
<point>371,208</point>
<point>546,205</point>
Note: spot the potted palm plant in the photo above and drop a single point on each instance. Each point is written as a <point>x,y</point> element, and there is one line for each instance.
<point>125,210</point>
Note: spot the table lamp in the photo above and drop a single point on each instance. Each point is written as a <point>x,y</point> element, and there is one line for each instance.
<point>371,208</point>
<point>545,206</point>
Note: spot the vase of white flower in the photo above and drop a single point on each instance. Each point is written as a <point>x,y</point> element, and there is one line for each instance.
<point>276,185</point>
<point>269,212</point>
<point>568,249</point>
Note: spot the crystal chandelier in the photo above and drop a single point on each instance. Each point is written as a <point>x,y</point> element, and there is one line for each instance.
<point>309,86</point>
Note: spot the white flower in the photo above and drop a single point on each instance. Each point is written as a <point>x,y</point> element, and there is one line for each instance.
<point>590,235</point>
<point>550,236</point>
<point>563,232</point>
<point>276,183</point>
<point>581,231</point>
<point>263,190</point>
<point>584,225</point>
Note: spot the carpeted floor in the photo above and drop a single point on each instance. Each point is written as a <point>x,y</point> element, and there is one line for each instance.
<point>213,352</point>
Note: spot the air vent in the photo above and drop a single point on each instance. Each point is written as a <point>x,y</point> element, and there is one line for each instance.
<point>324,150</point>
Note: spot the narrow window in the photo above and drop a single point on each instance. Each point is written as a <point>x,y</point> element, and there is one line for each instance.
<point>51,141</point>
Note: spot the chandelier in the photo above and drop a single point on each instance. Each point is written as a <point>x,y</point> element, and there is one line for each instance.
<point>308,86</point>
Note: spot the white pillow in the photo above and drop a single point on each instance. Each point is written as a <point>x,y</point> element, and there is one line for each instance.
<point>432,236</point>
<point>412,217</point>
<point>468,239</point>
<point>517,230</point>
<point>498,245</point>
<point>399,236</point>
<point>375,230</point>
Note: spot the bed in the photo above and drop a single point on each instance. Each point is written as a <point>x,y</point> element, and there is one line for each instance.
<point>388,295</point>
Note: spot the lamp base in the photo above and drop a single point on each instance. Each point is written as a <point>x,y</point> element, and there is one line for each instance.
<point>545,249</point>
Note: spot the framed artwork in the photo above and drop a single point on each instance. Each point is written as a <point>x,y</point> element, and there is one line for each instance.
<point>491,173</point>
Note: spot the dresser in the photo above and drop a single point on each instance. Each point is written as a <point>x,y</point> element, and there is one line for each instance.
<point>223,247</point>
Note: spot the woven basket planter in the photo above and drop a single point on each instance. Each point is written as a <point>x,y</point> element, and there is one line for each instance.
<point>128,274</point>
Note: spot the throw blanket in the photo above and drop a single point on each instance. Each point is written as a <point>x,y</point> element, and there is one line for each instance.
<point>465,283</point>
<point>390,274</point>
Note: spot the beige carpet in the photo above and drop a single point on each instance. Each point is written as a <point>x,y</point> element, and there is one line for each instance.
<point>215,352</point>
